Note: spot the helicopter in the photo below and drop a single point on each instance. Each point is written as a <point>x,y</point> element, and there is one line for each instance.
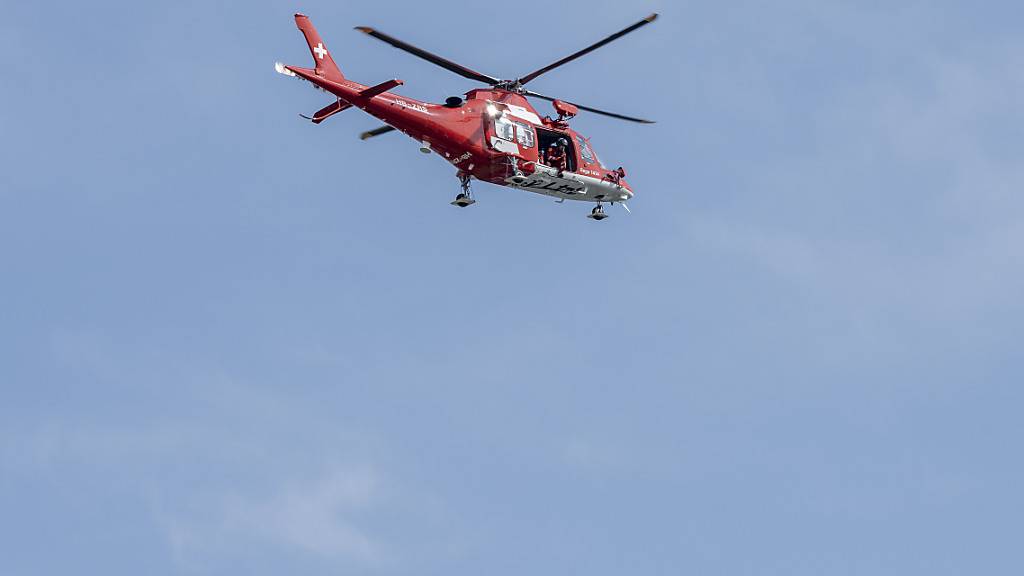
<point>493,134</point>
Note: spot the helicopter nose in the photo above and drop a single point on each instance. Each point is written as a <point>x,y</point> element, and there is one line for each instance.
<point>626,193</point>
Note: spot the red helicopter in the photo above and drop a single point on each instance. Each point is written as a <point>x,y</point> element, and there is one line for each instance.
<point>494,134</point>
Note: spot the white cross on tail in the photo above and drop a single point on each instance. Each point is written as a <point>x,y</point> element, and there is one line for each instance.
<point>320,50</point>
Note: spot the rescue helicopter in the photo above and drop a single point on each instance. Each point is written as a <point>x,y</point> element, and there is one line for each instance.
<point>493,134</point>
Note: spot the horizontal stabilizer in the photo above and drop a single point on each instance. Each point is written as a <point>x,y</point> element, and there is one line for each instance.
<point>380,88</point>
<point>328,111</point>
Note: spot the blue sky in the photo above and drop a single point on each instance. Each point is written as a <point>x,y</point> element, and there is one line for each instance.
<point>234,342</point>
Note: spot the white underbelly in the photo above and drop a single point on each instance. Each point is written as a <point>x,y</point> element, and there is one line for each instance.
<point>571,185</point>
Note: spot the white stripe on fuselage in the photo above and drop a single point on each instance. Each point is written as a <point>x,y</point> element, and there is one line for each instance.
<point>521,113</point>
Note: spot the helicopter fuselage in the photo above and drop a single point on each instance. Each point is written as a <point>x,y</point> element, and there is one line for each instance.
<point>494,135</point>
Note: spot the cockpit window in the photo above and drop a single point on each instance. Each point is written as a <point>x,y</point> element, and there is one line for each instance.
<point>525,133</point>
<point>504,129</point>
<point>585,151</point>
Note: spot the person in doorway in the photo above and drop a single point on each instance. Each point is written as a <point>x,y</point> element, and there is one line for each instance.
<point>557,156</point>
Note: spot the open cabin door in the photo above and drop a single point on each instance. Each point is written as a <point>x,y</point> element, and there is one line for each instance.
<point>545,138</point>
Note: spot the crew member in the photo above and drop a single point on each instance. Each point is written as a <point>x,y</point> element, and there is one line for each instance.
<point>557,157</point>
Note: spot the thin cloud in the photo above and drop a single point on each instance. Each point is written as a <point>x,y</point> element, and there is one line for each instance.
<point>318,516</point>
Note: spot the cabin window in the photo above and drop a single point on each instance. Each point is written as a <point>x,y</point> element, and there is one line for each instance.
<point>525,133</point>
<point>504,129</point>
<point>585,151</point>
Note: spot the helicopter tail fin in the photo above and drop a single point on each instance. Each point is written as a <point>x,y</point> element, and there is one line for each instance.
<point>325,65</point>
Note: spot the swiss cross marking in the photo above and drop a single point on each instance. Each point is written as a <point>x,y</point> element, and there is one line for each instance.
<point>320,50</point>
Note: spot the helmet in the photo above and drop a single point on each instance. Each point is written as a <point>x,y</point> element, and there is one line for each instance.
<point>563,142</point>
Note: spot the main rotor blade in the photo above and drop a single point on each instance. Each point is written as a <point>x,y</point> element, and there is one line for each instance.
<point>376,132</point>
<point>589,109</point>
<point>434,58</point>
<point>588,49</point>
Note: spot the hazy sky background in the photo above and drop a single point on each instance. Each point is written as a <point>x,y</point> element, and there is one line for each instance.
<point>232,342</point>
